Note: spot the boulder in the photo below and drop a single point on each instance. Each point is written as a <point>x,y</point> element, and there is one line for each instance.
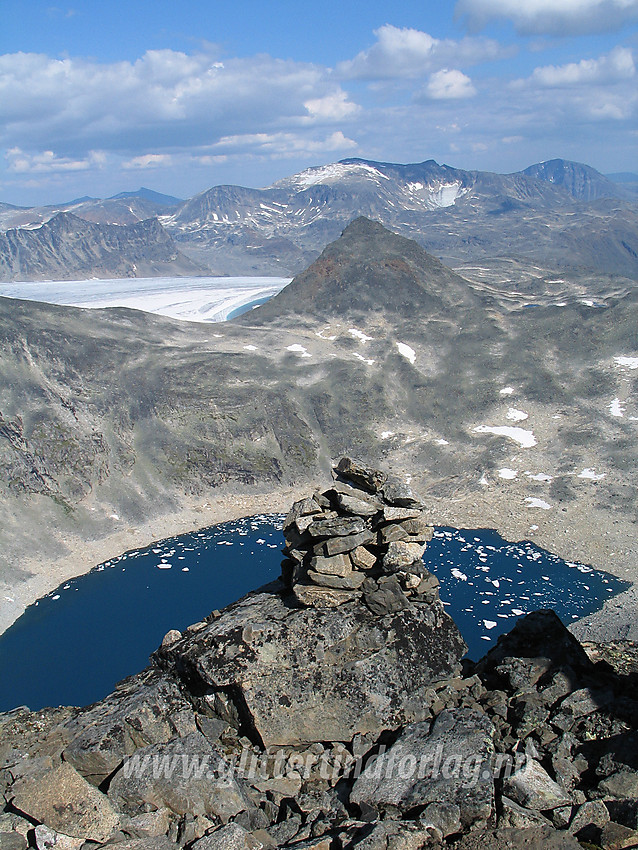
<point>370,479</point>
<point>63,800</point>
<point>450,761</point>
<point>322,597</point>
<point>401,556</point>
<point>319,674</point>
<point>229,837</point>
<point>531,786</point>
<point>535,838</point>
<point>185,775</point>
<point>12,841</point>
<point>139,712</point>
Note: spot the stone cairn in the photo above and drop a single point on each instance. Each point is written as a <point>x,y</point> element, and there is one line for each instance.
<point>363,537</point>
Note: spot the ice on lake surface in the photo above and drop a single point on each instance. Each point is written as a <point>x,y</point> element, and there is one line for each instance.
<point>72,646</point>
<point>195,299</point>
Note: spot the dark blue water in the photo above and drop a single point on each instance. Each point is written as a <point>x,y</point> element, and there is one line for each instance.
<point>239,311</point>
<point>72,646</point>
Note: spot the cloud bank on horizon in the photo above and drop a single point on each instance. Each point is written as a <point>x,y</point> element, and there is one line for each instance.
<point>501,94</point>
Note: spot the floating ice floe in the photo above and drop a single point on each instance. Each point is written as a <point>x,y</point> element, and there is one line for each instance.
<point>517,415</point>
<point>508,474</point>
<point>538,476</point>
<point>616,409</point>
<point>359,335</point>
<point>406,351</point>
<point>507,391</point>
<point>627,362</point>
<point>533,502</point>
<point>458,574</point>
<point>298,349</point>
<point>524,438</point>
<point>490,624</point>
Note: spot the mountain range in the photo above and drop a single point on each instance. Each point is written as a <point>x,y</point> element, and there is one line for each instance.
<point>558,215</point>
<point>513,414</point>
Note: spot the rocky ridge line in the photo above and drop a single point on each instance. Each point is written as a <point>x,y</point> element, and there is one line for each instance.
<point>313,717</point>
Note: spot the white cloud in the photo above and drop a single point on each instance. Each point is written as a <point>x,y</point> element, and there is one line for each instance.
<point>554,17</point>
<point>280,145</point>
<point>450,85</point>
<point>403,53</point>
<point>159,102</point>
<point>599,89</point>
<point>332,107</point>
<point>149,160</point>
<point>46,162</point>
<point>616,65</point>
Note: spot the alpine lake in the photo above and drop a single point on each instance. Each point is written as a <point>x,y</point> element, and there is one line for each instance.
<point>73,645</point>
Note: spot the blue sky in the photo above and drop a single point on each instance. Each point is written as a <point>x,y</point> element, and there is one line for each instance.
<point>100,97</point>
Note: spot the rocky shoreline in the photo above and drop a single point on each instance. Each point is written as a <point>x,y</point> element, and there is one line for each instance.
<point>332,710</point>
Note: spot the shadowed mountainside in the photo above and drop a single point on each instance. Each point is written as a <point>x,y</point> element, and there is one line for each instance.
<point>71,248</point>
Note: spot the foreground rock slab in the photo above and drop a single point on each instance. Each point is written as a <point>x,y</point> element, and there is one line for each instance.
<point>65,801</point>
<point>306,675</point>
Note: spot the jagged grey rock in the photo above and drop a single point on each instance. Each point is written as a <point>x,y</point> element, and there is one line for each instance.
<point>184,775</point>
<point>450,760</point>
<point>136,714</point>
<point>63,800</point>
<point>229,837</point>
<point>531,786</point>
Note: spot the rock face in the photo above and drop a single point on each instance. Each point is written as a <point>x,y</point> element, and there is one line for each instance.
<point>317,717</point>
<point>356,639</point>
<point>69,248</point>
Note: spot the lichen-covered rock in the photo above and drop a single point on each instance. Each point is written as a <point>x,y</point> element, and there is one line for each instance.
<point>185,775</point>
<point>450,761</point>
<point>531,786</point>
<point>142,710</point>
<point>304,675</point>
<point>63,800</point>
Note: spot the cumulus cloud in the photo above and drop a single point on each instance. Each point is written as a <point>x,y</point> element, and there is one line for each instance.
<point>280,145</point>
<point>449,85</point>
<point>551,17</point>
<point>403,53</point>
<point>332,107</point>
<point>159,102</point>
<point>46,162</point>
<point>599,89</point>
<point>614,66</point>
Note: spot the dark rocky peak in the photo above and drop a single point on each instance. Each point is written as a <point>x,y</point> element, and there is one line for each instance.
<point>369,269</point>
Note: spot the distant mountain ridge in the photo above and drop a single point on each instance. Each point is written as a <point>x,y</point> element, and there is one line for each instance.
<point>68,248</point>
<point>581,181</point>
<point>557,214</point>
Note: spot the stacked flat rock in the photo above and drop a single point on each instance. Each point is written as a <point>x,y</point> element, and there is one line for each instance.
<point>363,537</point>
